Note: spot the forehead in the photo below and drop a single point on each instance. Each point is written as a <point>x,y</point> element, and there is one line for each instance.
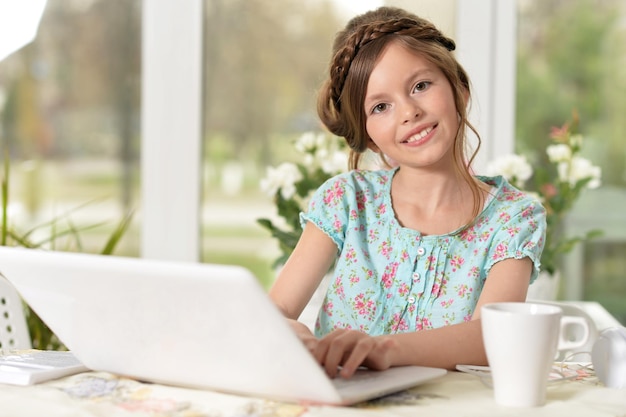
<point>397,63</point>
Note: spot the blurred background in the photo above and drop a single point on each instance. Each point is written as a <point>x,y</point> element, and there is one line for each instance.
<point>70,118</point>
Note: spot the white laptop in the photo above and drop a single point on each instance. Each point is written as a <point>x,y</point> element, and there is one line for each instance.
<point>196,325</point>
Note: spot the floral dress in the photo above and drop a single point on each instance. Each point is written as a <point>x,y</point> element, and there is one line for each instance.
<point>391,279</point>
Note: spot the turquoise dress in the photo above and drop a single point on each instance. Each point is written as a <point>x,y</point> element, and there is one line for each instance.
<point>390,279</point>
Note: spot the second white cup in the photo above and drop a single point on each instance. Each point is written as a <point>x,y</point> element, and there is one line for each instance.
<point>521,341</point>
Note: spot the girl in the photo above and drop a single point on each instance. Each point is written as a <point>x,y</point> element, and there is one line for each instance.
<point>417,248</point>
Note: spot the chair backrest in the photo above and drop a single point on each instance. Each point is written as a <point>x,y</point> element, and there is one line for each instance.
<point>13,329</point>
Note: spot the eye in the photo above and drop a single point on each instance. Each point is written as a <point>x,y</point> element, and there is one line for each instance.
<point>421,86</point>
<point>380,107</point>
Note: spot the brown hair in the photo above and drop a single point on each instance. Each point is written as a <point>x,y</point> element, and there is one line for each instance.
<point>355,53</point>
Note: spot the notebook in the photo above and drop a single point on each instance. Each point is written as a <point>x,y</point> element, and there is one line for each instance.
<point>187,324</point>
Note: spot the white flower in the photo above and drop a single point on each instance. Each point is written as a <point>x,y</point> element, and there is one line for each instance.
<point>579,169</point>
<point>308,142</point>
<point>335,163</point>
<point>559,153</point>
<point>284,178</point>
<point>514,168</point>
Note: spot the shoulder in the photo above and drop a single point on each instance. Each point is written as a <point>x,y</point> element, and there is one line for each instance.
<point>505,194</point>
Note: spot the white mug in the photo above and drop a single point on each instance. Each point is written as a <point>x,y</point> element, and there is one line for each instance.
<point>521,341</point>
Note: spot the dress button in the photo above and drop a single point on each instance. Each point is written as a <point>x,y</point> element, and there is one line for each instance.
<point>421,251</point>
<point>416,276</point>
<point>411,300</point>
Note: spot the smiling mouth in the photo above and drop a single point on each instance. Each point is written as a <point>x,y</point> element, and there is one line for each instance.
<point>420,135</point>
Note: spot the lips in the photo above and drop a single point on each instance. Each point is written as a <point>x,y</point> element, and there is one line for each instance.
<point>418,134</point>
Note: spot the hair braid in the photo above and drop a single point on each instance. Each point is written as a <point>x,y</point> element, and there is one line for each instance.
<point>367,33</point>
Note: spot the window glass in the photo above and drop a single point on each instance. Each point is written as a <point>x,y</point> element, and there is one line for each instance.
<point>264,62</point>
<point>571,59</point>
<point>69,122</point>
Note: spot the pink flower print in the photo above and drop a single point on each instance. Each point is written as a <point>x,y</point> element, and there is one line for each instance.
<point>338,287</point>
<point>463,289</point>
<point>340,325</point>
<point>448,303</point>
<point>389,275</point>
<point>431,261</point>
<point>505,217</point>
<point>468,235</point>
<point>358,301</point>
<point>333,195</point>
<point>351,255</point>
<point>361,199</point>
<point>387,280</point>
<point>365,308</point>
<point>456,262</point>
<point>484,236</point>
<point>353,214</point>
<point>468,317</point>
<point>404,289</point>
<point>337,225</point>
<point>527,211</point>
<point>354,279</point>
<point>474,272</point>
<point>385,249</point>
<point>373,235</point>
<point>404,255</point>
<point>401,325</point>
<point>500,251</point>
<point>423,324</point>
<point>328,308</point>
<point>382,209</point>
<point>440,282</point>
<point>513,231</point>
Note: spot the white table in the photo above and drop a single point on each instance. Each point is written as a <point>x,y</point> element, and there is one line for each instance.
<point>455,394</point>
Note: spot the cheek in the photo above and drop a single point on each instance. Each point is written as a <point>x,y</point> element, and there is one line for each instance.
<point>375,127</point>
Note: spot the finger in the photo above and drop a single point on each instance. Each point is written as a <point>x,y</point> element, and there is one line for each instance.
<point>361,350</point>
<point>349,349</point>
<point>331,349</point>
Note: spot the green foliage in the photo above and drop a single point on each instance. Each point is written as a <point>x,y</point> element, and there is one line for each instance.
<point>61,229</point>
<point>570,55</point>
<point>291,185</point>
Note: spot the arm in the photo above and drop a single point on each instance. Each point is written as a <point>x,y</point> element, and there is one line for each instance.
<point>443,347</point>
<point>301,275</point>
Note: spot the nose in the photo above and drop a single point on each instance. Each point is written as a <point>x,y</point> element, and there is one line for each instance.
<point>410,111</point>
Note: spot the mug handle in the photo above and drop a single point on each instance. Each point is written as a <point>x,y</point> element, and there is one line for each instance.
<point>565,344</point>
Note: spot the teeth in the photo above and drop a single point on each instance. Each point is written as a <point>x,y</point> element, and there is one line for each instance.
<point>419,135</point>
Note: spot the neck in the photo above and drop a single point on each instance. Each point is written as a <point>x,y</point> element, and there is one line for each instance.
<point>432,202</point>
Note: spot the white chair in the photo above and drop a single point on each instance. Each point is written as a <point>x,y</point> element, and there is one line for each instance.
<point>13,329</point>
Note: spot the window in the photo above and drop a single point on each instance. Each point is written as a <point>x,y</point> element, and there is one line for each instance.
<point>69,121</point>
<point>570,57</point>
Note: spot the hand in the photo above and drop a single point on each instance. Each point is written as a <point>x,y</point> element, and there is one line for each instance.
<point>351,349</point>
<point>305,335</point>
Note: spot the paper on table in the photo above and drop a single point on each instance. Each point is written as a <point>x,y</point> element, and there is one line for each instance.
<point>32,367</point>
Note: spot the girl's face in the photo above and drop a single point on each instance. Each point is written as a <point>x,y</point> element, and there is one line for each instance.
<point>410,111</point>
